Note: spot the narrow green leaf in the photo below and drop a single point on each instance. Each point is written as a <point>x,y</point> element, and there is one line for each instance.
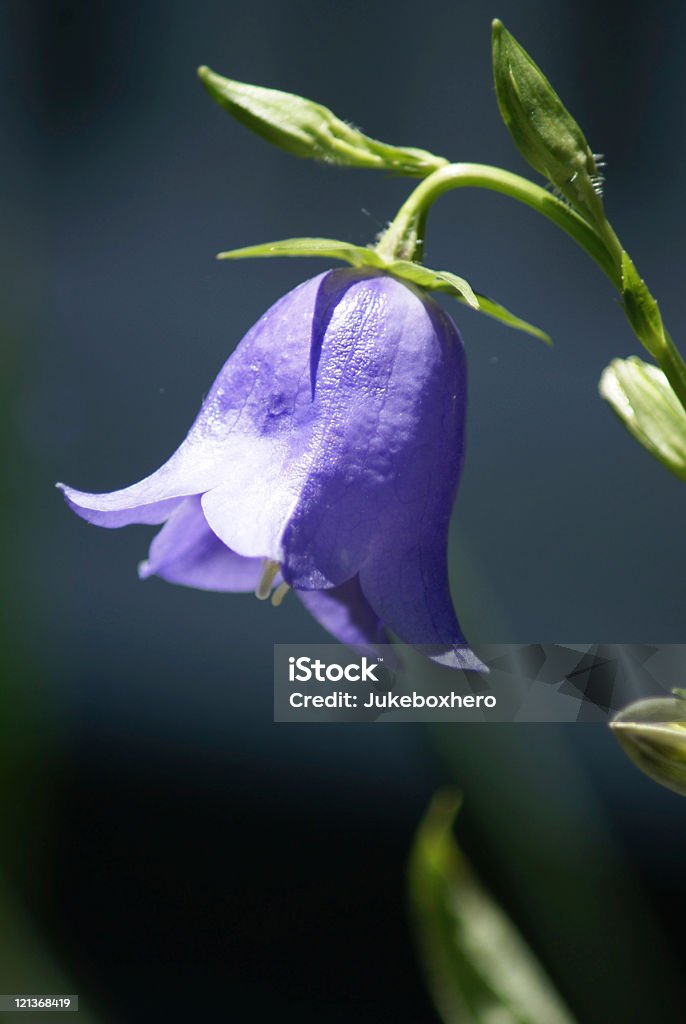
<point>308,129</point>
<point>362,256</point>
<point>451,284</point>
<point>327,248</point>
<point>498,312</point>
<point>641,309</point>
<point>542,128</point>
<point>643,399</point>
<point>652,733</point>
<point>478,967</point>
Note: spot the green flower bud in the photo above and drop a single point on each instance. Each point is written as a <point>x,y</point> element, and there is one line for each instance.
<point>643,399</point>
<point>542,128</point>
<point>308,129</point>
<point>653,734</point>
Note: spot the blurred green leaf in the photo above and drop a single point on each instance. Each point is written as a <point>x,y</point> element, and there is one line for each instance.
<point>542,128</point>
<point>478,967</point>
<point>308,129</point>
<point>641,309</point>
<point>652,733</point>
<point>643,399</point>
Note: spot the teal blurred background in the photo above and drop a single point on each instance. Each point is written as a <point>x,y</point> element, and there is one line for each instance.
<point>166,850</point>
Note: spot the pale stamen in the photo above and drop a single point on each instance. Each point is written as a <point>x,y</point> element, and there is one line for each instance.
<point>264,587</point>
<point>279,594</point>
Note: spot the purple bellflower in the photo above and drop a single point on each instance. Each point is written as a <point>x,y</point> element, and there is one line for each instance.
<point>326,459</point>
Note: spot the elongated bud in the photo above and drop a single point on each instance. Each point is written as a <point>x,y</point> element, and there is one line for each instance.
<point>544,131</point>
<point>308,129</point>
<point>653,734</point>
<point>643,399</point>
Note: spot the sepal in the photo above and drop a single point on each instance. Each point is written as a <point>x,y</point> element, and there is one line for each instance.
<point>363,256</point>
<point>325,248</point>
<point>498,312</point>
<point>435,280</point>
<point>308,129</point>
<point>643,399</point>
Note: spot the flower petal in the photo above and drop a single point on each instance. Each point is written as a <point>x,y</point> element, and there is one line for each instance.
<point>279,434</point>
<point>345,612</point>
<point>249,510</point>
<point>194,466</point>
<point>387,427</point>
<point>102,510</point>
<point>368,413</point>
<point>409,590</point>
<point>336,424</point>
<point>252,399</point>
<point>186,551</point>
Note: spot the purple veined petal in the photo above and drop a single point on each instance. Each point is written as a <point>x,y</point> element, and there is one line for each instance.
<point>336,424</point>
<point>345,613</point>
<point>101,510</point>
<point>379,425</point>
<point>253,397</point>
<point>330,292</point>
<point>248,510</point>
<point>409,589</point>
<point>272,460</point>
<point>186,551</point>
<point>304,478</point>
<point>388,431</point>
<point>192,469</point>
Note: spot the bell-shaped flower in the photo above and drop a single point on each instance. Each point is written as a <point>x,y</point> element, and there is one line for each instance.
<point>325,458</point>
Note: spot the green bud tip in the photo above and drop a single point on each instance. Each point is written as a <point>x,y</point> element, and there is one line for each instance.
<point>542,128</point>
<point>653,734</point>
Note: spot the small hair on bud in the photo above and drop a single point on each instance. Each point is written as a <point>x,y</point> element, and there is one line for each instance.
<point>597,183</point>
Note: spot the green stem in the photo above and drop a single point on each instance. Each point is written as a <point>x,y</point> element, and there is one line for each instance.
<point>674,368</point>
<point>404,239</point>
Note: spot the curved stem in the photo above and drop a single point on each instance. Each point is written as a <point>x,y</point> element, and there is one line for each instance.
<point>405,237</point>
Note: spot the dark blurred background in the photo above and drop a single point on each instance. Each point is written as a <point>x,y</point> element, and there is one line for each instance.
<point>166,850</point>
